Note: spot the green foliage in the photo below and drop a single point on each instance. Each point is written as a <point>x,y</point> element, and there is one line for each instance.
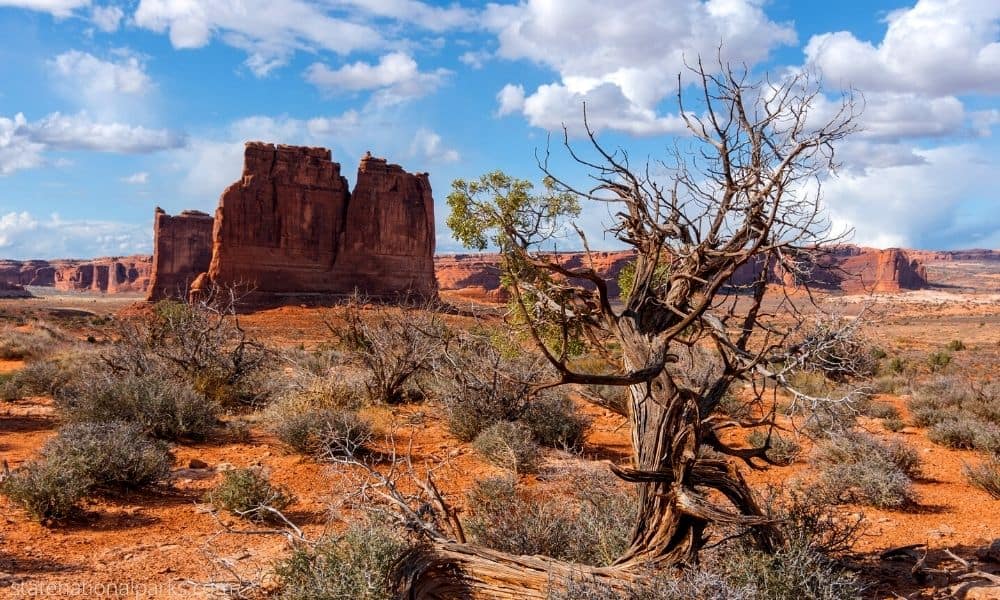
<point>322,432</point>
<point>248,494</point>
<point>955,346</point>
<point>355,565</point>
<point>626,278</point>
<point>497,208</point>
<point>112,454</point>
<point>555,422</point>
<point>509,446</point>
<point>48,490</point>
<point>938,361</point>
<point>783,450</point>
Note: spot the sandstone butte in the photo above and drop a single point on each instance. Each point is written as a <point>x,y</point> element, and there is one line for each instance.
<point>290,228</point>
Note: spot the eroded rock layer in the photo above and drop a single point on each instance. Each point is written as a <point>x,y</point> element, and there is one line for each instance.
<point>120,274</point>
<point>182,249</point>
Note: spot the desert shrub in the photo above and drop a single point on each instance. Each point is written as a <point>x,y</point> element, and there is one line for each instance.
<point>890,384</point>
<point>113,454</point>
<point>555,422</point>
<point>937,361</point>
<point>893,423</point>
<point>319,431</point>
<point>793,571</point>
<point>508,446</point>
<point>19,344</point>
<point>896,365</point>
<point>966,432</point>
<point>396,348</point>
<point>857,467</point>
<point>200,342</point>
<point>485,383</point>
<point>47,489</point>
<point>880,410</point>
<point>985,475</point>
<point>163,406</point>
<point>955,346</point>
<point>354,565</point>
<point>783,450</point>
<point>49,376</point>
<point>613,397</point>
<point>834,348</point>
<point>878,353</point>
<point>590,526</point>
<point>9,389</point>
<point>249,494</point>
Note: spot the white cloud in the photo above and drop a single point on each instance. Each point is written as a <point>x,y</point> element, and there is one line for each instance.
<point>510,99</point>
<point>475,59</point>
<point>106,18</point>
<point>97,80</point>
<point>23,143</point>
<point>57,8</point>
<point>432,18</point>
<point>937,47</point>
<point>625,62</point>
<point>396,78</point>
<point>79,132</point>
<point>23,236</point>
<point>429,146</point>
<point>923,203</point>
<point>140,178</point>
<point>268,30</point>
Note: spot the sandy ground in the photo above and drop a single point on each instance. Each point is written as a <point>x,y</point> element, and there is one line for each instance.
<point>167,544</point>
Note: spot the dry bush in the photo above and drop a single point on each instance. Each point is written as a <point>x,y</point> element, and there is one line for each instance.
<point>509,446</point>
<point>113,454</point>
<point>322,432</point>
<point>200,342</point>
<point>82,458</point>
<point>46,489</point>
<point>985,475</point>
<point>782,450</point>
<point>249,494</point>
<point>555,422</point>
<point>857,467</point>
<point>396,348</point>
<point>36,342</point>
<point>353,565</point>
<point>159,403</point>
<point>965,432</point>
<point>49,376</point>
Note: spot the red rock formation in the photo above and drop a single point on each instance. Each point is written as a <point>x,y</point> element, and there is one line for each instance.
<point>13,290</point>
<point>289,227</point>
<point>182,249</point>
<point>128,274</point>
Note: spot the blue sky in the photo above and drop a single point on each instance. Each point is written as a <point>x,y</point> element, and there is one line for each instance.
<point>109,108</point>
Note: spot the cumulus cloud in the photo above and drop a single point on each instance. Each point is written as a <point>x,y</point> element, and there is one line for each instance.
<point>395,78</point>
<point>107,18</point>
<point>24,235</point>
<point>23,143</point>
<point>432,18</point>
<point>624,62</point>
<point>97,80</point>
<point>57,8</point>
<point>937,47</point>
<point>429,146</point>
<point>927,202</point>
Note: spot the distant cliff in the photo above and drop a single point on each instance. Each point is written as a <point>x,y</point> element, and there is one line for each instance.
<point>117,274</point>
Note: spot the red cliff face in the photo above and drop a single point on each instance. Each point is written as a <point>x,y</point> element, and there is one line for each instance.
<point>125,274</point>
<point>182,249</point>
<point>290,227</point>
<point>848,269</point>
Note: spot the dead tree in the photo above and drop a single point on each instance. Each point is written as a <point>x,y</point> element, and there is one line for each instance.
<point>742,198</point>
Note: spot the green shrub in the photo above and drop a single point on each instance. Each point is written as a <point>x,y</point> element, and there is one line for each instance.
<point>508,446</point>
<point>857,467</point>
<point>956,345</point>
<point>163,406</point>
<point>938,361</point>
<point>248,494</point>
<point>985,475</point>
<point>896,365</point>
<point>783,451</point>
<point>355,565</point>
<point>555,422</point>
<point>794,571</point>
<point>893,424</point>
<point>113,454</point>
<point>48,490</point>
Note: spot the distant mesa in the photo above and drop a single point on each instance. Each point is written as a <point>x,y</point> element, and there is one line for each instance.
<point>290,228</point>
<point>113,275</point>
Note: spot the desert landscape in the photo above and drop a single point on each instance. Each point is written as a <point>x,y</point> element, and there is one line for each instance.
<point>678,299</point>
